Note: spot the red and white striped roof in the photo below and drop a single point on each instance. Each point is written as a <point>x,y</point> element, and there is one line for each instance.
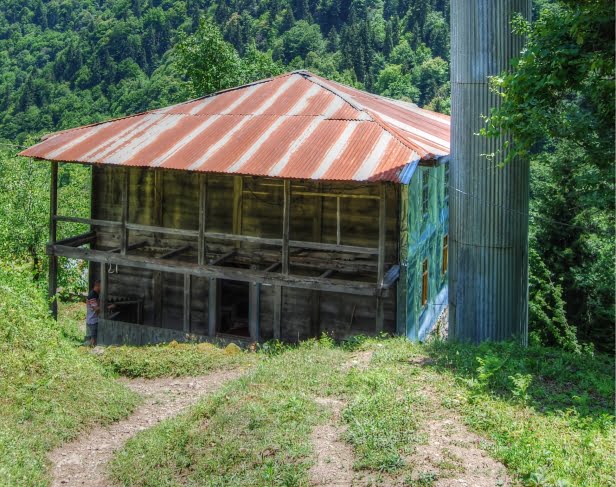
<point>296,125</point>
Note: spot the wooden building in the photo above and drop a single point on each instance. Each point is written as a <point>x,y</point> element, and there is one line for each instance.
<point>281,209</point>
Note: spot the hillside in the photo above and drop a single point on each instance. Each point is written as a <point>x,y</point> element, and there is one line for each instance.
<point>73,62</point>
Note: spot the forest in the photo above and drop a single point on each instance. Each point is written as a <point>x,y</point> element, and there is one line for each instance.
<point>65,63</point>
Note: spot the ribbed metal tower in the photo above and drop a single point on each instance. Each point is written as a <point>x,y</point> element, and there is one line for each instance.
<point>488,226</point>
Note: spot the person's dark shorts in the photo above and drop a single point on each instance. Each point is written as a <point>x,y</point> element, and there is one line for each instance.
<point>91,330</point>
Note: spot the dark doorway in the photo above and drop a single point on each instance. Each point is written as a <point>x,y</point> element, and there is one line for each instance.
<point>234,306</point>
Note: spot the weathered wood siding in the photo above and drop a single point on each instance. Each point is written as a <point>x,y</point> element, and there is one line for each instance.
<point>171,199</point>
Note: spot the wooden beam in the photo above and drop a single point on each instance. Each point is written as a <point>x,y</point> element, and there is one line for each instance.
<point>380,306</point>
<point>253,311</point>
<point>277,312</point>
<point>187,302</point>
<point>286,217</point>
<point>391,276</point>
<point>132,246</point>
<point>53,233</point>
<point>347,249</point>
<point>175,252</point>
<point>166,230</point>
<point>124,231</point>
<point>327,273</point>
<point>272,267</point>
<point>238,184</point>
<point>275,242</point>
<point>87,221</point>
<point>78,240</point>
<point>337,195</point>
<point>201,248</point>
<point>208,271</point>
<point>213,301</point>
<point>222,258</point>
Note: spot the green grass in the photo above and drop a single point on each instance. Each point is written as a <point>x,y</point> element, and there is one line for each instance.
<point>173,359</point>
<point>49,392</point>
<point>256,431</point>
<point>548,414</point>
<point>558,431</point>
<point>253,432</point>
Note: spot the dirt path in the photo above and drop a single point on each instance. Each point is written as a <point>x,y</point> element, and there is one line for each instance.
<point>452,455</point>
<point>83,462</point>
<point>334,457</point>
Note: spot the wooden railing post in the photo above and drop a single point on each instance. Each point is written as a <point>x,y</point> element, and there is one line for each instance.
<point>125,195</point>
<point>53,234</point>
<point>380,312</point>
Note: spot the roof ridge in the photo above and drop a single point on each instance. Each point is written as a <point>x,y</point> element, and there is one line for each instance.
<point>373,114</point>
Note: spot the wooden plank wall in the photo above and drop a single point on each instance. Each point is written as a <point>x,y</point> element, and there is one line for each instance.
<point>171,199</point>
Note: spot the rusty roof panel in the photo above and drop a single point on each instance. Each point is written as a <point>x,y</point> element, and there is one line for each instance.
<point>297,125</point>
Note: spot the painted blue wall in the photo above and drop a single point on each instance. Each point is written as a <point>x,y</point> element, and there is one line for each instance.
<point>422,237</point>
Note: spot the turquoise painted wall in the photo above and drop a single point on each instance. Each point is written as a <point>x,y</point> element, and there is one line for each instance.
<point>422,237</point>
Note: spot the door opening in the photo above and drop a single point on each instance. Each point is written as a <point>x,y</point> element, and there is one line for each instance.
<point>234,306</point>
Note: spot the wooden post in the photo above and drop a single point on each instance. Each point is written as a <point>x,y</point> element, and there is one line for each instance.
<point>158,197</point>
<point>380,312</point>
<point>253,311</point>
<point>317,230</point>
<point>158,220</point>
<point>338,236</point>
<point>157,297</point>
<point>238,189</point>
<point>187,302</point>
<point>277,318</point>
<point>201,257</point>
<point>104,292</point>
<point>212,307</point>
<point>286,215</point>
<point>53,259</point>
<point>286,218</point>
<point>125,195</point>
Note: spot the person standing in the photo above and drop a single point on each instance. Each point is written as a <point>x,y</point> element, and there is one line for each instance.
<point>92,312</point>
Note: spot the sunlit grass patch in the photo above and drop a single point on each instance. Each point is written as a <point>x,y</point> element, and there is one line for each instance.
<point>253,432</point>
<point>172,359</point>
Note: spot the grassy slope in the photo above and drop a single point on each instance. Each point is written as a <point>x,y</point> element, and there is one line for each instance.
<point>557,431</point>
<point>48,390</point>
<point>173,359</point>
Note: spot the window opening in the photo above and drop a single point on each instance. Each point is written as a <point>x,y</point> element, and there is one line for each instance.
<point>424,283</point>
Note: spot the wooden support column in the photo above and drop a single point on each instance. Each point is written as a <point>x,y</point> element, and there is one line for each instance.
<point>277,312</point>
<point>201,257</point>
<point>53,234</point>
<point>212,306</point>
<point>253,311</point>
<point>125,195</point>
<point>286,218</point>
<point>103,295</point>
<point>380,312</point>
<point>338,231</point>
<point>238,190</point>
<point>317,230</point>
<point>157,294</point>
<point>157,297</point>
<point>187,302</point>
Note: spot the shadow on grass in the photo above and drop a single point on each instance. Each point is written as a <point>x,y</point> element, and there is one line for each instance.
<point>556,380</point>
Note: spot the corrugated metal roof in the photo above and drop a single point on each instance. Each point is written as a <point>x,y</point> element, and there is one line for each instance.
<point>296,125</point>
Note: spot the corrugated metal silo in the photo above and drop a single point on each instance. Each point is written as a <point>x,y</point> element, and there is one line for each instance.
<point>488,276</point>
